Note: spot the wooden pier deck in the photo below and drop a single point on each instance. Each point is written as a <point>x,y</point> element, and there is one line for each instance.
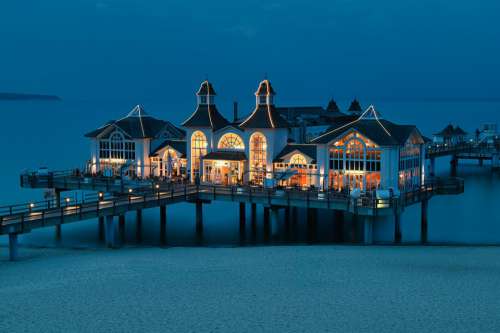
<point>113,198</point>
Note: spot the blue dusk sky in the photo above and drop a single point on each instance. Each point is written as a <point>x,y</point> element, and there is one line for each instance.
<point>311,50</point>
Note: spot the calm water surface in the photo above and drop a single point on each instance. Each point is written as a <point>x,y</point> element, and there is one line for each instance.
<point>51,134</point>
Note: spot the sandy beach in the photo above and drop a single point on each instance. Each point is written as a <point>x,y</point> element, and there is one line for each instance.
<point>249,289</point>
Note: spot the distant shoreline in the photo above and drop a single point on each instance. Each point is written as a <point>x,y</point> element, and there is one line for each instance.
<point>27,97</point>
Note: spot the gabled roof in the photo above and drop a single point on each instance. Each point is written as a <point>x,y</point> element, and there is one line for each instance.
<point>138,125</point>
<point>307,149</point>
<point>178,145</point>
<point>265,88</point>
<point>206,88</point>
<point>332,106</point>
<point>355,106</point>
<point>369,124</point>
<point>459,131</point>
<point>451,131</point>
<point>225,156</point>
<point>264,116</point>
<point>206,116</point>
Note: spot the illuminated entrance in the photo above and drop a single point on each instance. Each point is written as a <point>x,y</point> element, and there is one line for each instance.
<point>354,164</point>
<point>224,168</point>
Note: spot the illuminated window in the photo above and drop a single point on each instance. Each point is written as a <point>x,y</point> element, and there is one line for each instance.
<point>258,156</point>
<point>116,147</point>
<point>198,150</point>
<point>298,159</point>
<point>354,163</point>
<point>231,141</point>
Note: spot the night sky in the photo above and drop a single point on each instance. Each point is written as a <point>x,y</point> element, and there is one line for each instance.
<point>311,50</point>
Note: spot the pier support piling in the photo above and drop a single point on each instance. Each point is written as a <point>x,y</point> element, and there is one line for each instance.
<point>101,228</point>
<point>432,167</point>
<point>13,245</point>
<point>199,216</point>
<point>368,230</point>
<point>121,228</point>
<point>311,224</point>
<point>267,225</point>
<point>138,226</point>
<point>397,228</point>
<point>58,233</point>
<point>243,217</point>
<point>454,166</point>
<point>424,224</point>
<point>275,218</point>
<point>338,225</point>
<point>163,224</point>
<point>110,231</point>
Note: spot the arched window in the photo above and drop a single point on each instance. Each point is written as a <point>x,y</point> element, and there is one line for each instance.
<point>298,159</point>
<point>258,157</point>
<point>231,141</point>
<point>170,162</point>
<point>355,155</point>
<point>198,150</point>
<point>116,143</point>
<point>354,163</point>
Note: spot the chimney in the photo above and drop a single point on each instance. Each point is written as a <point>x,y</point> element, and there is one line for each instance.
<point>235,111</point>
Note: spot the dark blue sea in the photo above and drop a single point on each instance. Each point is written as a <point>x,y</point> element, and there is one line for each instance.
<point>51,134</point>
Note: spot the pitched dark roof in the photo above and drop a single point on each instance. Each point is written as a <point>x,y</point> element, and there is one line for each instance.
<point>306,149</point>
<point>459,131</point>
<point>355,106</point>
<point>264,116</point>
<point>226,156</point>
<point>139,125</point>
<point>332,106</point>
<point>380,131</point>
<point>265,88</point>
<point>291,112</point>
<point>179,145</point>
<point>206,88</point>
<point>206,116</point>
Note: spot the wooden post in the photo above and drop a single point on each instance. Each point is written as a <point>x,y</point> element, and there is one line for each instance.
<point>311,224</point>
<point>58,233</point>
<point>163,225</point>
<point>338,225</point>
<point>242,216</point>
<point>368,230</point>
<point>13,246</point>
<point>397,228</point>
<point>138,226</point>
<point>110,231</point>
<point>267,225</point>
<point>101,228</point>
<point>274,223</point>
<point>454,166</point>
<point>253,214</point>
<point>199,216</point>
<point>432,170</point>
<point>423,225</point>
<point>121,228</point>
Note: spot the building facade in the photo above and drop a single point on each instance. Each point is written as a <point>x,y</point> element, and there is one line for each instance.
<point>271,146</point>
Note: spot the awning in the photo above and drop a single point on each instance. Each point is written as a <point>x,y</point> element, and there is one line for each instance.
<point>225,156</point>
<point>285,175</point>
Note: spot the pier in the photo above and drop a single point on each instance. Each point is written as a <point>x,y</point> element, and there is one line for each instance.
<point>464,151</point>
<point>112,199</point>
